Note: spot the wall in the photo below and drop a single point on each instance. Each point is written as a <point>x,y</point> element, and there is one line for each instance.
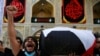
<point>29,28</point>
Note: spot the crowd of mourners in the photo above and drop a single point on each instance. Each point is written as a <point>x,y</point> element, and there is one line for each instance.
<point>29,47</point>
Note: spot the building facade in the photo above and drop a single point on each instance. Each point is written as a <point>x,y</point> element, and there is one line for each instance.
<point>32,28</point>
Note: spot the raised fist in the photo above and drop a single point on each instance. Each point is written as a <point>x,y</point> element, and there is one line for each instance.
<point>11,10</point>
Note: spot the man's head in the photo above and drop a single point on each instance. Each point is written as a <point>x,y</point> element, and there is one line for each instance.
<point>19,40</point>
<point>97,35</point>
<point>30,44</point>
<point>98,42</point>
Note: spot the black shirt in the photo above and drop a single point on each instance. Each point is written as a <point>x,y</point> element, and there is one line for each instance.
<point>1,53</point>
<point>7,52</point>
<point>21,53</point>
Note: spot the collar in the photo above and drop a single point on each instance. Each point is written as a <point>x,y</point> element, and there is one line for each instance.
<point>30,54</point>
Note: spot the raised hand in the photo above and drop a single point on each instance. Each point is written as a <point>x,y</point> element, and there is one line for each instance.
<point>11,10</point>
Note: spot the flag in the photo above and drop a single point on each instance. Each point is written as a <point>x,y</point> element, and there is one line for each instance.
<point>64,40</point>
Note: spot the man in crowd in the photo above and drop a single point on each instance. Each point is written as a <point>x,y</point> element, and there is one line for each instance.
<point>97,47</point>
<point>30,44</point>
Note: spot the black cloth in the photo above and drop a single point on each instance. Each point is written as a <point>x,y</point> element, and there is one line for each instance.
<point>60,43</point>
<point>96,52</point>
<point>7,52</point>
<point>1,53</point>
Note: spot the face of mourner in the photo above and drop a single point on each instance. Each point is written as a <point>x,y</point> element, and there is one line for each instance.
<point>30,45</point>
<point>98,43</point>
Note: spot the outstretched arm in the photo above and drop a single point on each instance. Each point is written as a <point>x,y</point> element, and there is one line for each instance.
<point>11,10</point>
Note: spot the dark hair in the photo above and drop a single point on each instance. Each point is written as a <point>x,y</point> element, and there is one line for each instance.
<point>1,42</point>
<point>33,38</point>
<point>20,40</point>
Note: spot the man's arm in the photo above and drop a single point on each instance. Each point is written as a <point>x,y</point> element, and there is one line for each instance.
<point>11,10</point>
